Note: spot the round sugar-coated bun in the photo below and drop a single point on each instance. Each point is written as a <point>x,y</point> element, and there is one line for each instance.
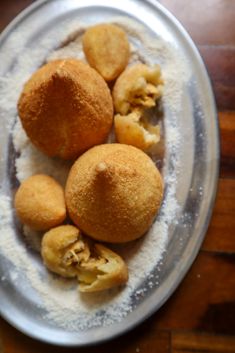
<point>40,203</point>
<point>66,108</point>
<point>113,193</point>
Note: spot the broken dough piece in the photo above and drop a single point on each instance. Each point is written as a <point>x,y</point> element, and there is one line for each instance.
<point>107,271</point>
<point>139,86</point>
<point>67,253</point>
<point>62,249</point>
<point>131,130</point>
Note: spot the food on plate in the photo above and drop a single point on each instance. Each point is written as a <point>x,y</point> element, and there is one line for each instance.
<point>66,252</point>
<point>39,202</point>
<point>107,49</point>
<point>139,86</point>
<point>135,91</point>
<point>113,192</point>
<point>59,246</point>
<point>132,130</point>
<point>65,108</point>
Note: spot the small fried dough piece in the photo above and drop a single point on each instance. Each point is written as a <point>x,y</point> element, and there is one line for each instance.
<point>67,253</point>
<point>139,86</point>
<point>129,129</point>
<point>107,49</point>
<point>104,272</point>
<point>39,202</point>
<point>62,249</point>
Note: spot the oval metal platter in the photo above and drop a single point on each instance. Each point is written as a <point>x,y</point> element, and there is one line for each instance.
<point>199,159</point>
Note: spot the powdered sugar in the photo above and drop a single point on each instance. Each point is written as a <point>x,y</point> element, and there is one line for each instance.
<point>65,307</point>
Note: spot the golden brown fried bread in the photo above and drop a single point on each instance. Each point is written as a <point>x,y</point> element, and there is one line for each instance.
<point>39,202</point>
<point>135,91</point>
<point>139,86</point>
<point>104,270</point>
<point>131,130</point>
<point>107,49</point>
<point>65,108</point>
<point>113,192</point>
<point>59,247</point>
<point>67,253</point>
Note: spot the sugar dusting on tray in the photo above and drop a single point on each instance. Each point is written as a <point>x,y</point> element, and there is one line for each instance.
<point>59,297</point>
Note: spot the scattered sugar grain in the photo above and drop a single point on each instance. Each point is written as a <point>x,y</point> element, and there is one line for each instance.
<point>13,276</point>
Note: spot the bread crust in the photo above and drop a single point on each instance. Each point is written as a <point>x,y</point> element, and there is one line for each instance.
<point>65,108</point>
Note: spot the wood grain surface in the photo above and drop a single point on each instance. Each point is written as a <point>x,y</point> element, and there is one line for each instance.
<point>200,315</point>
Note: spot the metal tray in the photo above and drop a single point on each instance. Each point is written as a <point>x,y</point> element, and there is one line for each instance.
<point>200,158</point>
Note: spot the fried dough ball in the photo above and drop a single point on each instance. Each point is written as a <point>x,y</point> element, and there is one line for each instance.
<point>65,108</point>
<point>139,86</point>
<point>107,49</point>
<point>131,130</point>
<point>39,202</point>
<point>113,192</point>
<point>67,253</point>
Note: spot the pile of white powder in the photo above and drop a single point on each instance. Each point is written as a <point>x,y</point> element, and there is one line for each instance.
<point>64,306</point>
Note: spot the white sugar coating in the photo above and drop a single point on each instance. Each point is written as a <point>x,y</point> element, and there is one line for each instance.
<point>6,211</point>
<point>11,247</point>
<point>65,306</point>
<point>32,161</point>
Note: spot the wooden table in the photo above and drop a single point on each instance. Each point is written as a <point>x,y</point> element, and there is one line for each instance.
<point>200,315</point>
